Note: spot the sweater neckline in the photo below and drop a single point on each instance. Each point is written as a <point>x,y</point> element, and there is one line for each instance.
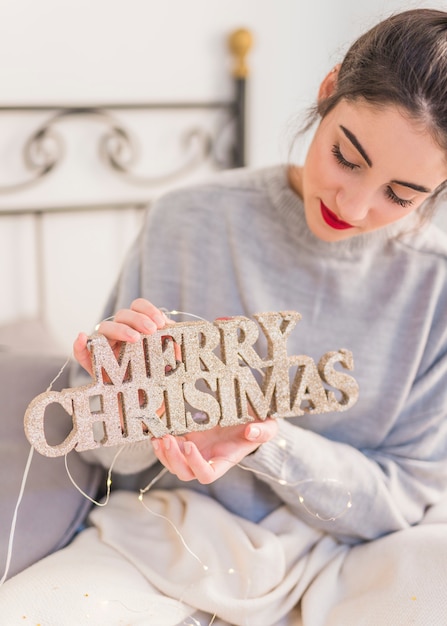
<point>290,209</point>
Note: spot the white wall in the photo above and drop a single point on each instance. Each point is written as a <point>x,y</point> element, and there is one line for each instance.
<point>89,51</point>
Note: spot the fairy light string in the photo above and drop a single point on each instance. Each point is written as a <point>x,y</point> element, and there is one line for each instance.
<point>105,501</point>
<point>14,517</point>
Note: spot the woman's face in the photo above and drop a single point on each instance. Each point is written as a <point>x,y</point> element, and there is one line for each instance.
<point>366,167</point>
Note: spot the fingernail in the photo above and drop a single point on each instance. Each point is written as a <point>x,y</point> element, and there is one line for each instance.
<point>160,320</point>
<point>254,432</point>
<point>166,443</point>
<point>187,446</point>
<point>155,444</point>
<point>149,325</point>
<point>133,335</point>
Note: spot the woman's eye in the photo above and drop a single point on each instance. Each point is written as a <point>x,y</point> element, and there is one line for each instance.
<point>400,201</point>
<point>341,159</point>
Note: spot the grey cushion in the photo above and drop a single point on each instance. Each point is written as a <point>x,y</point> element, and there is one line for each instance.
<point>30,335</point>
<point>51,509</point>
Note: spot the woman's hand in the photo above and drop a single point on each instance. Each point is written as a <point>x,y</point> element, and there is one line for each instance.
<point>127,325</point>
<point>207,455</point>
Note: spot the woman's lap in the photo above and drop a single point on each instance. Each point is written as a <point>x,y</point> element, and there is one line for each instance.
<point>397,580</point>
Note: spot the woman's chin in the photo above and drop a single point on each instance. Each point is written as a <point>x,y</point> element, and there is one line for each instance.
<point>326,233</point>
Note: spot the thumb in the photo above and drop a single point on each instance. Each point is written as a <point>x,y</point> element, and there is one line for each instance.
<point>81,353</point>
<point>260,432</point>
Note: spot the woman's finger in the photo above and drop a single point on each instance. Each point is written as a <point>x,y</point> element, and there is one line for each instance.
<point>139,321</point>
<point>118,331</point>
<point>261,431</point>
<point>141,305</point>
<point>168,452</point>
<point>81,352</point>
<point>142,317</point>
<point>204,471</point>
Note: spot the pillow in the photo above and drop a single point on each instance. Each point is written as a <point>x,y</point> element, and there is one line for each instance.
<point>28,335</point>
<point>51,509</point>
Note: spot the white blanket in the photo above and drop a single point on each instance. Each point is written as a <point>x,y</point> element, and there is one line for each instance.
<point>188,561</point>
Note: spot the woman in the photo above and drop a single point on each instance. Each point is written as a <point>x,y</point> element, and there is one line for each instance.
<point>314,519</point>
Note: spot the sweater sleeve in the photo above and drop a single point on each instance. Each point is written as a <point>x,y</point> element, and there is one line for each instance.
<point>362,494</point>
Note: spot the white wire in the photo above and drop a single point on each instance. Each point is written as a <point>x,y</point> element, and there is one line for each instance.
<point>14,518</point>
<point>174,312</point>
<point>108,482</point>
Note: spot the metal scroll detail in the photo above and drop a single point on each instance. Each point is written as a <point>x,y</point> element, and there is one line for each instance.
<point>118,148</point>
<point>42,153</point>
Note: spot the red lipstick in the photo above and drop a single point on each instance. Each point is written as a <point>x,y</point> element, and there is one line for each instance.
<point>332,220</point>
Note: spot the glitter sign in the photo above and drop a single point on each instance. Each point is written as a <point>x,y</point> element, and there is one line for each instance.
<point>149,391</point>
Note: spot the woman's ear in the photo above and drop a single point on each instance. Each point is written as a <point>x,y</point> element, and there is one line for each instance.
<point>329,84</point>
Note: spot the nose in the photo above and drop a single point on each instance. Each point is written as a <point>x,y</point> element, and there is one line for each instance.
<point>353,203</point>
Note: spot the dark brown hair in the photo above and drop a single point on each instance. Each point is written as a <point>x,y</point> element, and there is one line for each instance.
<point>401,61</point>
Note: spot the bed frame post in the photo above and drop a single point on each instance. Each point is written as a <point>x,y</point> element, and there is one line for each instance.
<point>240,43</point>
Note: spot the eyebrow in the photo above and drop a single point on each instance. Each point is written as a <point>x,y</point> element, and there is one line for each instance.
<point>356,143</point>
<point>412,186</point>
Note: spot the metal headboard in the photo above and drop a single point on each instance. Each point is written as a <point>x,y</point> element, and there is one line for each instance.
<point>224,146</point>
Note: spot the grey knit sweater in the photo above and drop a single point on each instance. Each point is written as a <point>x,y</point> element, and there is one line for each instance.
<point>238,245</point>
